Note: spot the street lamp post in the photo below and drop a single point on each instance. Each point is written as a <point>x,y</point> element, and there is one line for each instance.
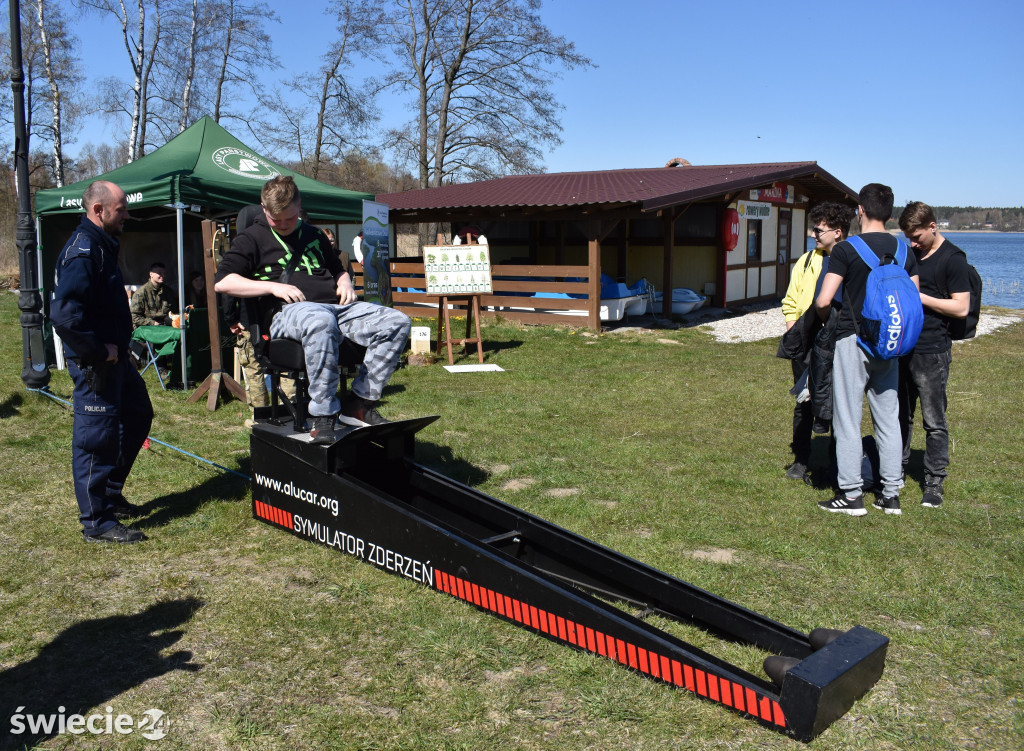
<point>34,371</point>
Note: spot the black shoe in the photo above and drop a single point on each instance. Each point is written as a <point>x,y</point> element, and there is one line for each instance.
<point>820,426</point>
<point>119,534</point>
<point>841,504</point>
<point>123,509</point>
<point>888,505</point>
<point>363,410</point>
<point>932,496</point>
<point>797,471</point>
<point>322,431</point>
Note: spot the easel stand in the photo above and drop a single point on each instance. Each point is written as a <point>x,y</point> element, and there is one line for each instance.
<point>444,324</point>
<point>218,376</point>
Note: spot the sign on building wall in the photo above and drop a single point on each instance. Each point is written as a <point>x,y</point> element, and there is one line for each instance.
<point>754,210</point>
<point>376,254</point>
<point>457,269</point>
<point>778,193</point>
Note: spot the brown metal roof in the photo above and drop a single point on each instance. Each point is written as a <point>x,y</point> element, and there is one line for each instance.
<point>653,188</point>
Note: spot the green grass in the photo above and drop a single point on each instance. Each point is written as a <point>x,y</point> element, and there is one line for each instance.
<point>663,445</point>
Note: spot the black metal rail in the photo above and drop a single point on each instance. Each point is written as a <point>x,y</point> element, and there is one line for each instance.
<point>366,496</point>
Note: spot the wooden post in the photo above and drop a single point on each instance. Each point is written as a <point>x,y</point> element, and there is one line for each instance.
<point>218,377</point>
<point>668,228</point>
<point>594,276</point>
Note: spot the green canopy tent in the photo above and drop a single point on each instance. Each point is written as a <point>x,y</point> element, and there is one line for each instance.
<point>202,173</point>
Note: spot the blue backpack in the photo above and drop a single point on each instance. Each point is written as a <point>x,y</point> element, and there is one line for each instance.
<point>892,316</point>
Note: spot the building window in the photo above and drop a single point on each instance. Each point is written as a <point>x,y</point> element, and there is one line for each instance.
<point>753,240</point>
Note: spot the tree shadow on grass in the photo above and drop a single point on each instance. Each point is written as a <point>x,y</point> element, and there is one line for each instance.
<point>88,665</point>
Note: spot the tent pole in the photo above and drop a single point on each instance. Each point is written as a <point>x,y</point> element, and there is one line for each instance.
<point>181,292</point>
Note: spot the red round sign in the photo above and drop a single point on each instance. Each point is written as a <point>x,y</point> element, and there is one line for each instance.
<point>730,229</point>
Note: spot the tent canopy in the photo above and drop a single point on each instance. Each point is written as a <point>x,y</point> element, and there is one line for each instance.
<point>206,166</point>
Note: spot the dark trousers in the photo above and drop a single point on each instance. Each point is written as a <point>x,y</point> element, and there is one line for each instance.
<point>803,419</point>
<point>112,419</point>
<point>923,378</point>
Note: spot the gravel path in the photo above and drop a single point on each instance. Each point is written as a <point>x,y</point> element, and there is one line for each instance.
<point>765,320</point>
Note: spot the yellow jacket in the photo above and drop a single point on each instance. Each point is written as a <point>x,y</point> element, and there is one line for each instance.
<point>800,294</point>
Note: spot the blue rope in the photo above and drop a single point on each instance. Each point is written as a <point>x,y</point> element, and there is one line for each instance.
<point>45,391</point>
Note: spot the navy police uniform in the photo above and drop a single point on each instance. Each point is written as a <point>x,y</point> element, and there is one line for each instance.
<point>113,413</point>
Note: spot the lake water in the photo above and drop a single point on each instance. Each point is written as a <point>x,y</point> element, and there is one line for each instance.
<point>999,259</point>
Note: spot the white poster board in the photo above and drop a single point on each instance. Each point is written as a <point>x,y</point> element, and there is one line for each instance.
<point>457,269</point>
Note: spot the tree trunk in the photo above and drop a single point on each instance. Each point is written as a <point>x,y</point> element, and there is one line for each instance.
<point>55,97</point>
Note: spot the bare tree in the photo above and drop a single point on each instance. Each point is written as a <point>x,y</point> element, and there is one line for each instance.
<point>241,45</point>
<point>56,46</point>
<point>51,82</point>
<point>482,72</point>
<point>141,56</point>
<point>333,111</point>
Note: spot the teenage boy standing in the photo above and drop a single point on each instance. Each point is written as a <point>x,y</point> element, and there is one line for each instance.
<point>945,295</point>
<point>855,372</point>
<point>830,223</point>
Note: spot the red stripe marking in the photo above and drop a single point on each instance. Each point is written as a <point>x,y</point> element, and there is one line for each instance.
<point>581,635</point>
<point>655,664</point>
<point>766,709</point>
<point>688,676</point>
<point>561,629</point>
<point>517,611</point>
<point>531,617</point>
<point>541,618</point>
<point>459,588</point>
<point>726,692</point>
<point>677,673</point>
<point>713,687</point>
<point>508,606</point>
<point>751,698</point>
<point>666,669</point>
<point>275,514</point>
<point>257,507</point>
<point>777,717</point>
<point>591,644</point>
<point>701,688</point>
<point>643,660</point>
<point>620,646</point>
<point>632,656</point>
<point>491,601</point>
<point>291,524</point>
<point>737,697</point>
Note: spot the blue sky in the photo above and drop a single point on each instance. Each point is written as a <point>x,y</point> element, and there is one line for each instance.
<point>924,96</point>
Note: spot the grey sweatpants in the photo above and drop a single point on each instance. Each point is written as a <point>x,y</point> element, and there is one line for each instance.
<point>854,373</point>
<point>321,327</point>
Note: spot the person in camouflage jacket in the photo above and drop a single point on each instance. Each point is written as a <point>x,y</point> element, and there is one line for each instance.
<point>153,302</point>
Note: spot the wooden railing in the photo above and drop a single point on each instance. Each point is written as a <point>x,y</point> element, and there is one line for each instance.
<point>512,298</point>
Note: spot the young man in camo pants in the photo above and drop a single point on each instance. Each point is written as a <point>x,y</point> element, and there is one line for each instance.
<point>316,305</point>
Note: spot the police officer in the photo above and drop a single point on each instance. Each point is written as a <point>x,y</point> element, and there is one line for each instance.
<point>112,408</point>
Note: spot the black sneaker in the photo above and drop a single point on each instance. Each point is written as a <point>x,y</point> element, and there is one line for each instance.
<point>841,504</point>
<point>362,410</point>
<point>932,496</point>
<point>119,534</point>
<point>123,509</point>
<point>888,505</point>
<point>322,431</point>
<point>797,471</point>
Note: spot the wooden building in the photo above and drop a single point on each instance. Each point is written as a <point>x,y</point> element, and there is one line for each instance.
<point>731,232</point>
